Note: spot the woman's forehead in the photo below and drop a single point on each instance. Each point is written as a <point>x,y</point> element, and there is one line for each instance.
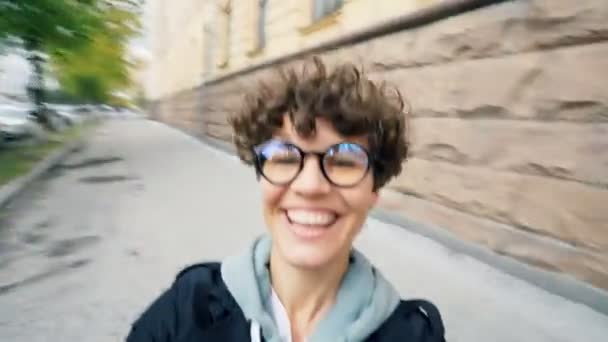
<point>325,135</point>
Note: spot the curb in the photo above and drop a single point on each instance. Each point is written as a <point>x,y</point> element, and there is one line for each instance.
<point>13,188</point>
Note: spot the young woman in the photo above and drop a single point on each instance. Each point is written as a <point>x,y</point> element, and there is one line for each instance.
<point>322,144</point>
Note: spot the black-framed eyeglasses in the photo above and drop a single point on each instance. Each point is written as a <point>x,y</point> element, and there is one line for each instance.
<point>343,165</point>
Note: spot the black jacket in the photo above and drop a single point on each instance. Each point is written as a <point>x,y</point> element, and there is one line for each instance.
<point>198,307</point>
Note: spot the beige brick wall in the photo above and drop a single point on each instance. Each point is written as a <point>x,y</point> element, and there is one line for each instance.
<point>177,31</point>
<point>510,127</point>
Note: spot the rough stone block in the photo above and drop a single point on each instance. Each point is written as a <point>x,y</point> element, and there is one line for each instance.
<point>584,264</point>
<point>565,210</point>
<point>557,149</point>
<point>510,27</point>
<point>564,84</point>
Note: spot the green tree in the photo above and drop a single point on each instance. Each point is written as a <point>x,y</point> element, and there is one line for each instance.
<point>85,41</point>
<point>95,72</point>
<point>42,26</point>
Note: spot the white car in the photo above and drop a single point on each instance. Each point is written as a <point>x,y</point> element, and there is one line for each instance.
<point>67,113</point>
<point>16,124</point>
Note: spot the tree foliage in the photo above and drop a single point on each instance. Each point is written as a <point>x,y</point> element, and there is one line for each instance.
<point>49,24</point>
<point>85,41</point>
<point>97,71</point>
<point>41,26</point>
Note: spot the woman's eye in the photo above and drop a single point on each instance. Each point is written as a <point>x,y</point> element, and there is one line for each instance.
<point>285,159</point>
<point>343,163</point>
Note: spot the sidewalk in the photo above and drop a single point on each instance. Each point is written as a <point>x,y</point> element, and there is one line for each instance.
<point>186,202</point>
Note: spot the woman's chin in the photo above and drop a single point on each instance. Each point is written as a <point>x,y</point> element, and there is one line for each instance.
<point>306,258</point>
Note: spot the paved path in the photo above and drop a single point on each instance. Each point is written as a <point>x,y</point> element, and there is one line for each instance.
<point>85,249</point>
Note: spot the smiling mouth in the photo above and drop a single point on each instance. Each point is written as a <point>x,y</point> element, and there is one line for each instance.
<point>311,218</point>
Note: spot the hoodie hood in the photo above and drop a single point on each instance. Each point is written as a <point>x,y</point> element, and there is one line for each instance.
<point>364,301</point>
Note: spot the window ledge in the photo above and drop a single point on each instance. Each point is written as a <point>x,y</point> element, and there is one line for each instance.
<point>222,65</point>
<point>323,23</point>
<point>255,52</point>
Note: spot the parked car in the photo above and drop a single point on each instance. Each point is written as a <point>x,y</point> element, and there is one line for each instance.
<point>129,113</point>
<point>108,111</point>
<point>70,114</point>
<point>55,121</point>
<point>86,108</point>
<point>17,124</point>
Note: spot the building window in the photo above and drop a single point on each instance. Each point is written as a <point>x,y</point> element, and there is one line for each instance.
<point>261,27</point>
<point>258,9</point>
<point>208,42</point>
<point>226,33</point>
<point>323,8</point>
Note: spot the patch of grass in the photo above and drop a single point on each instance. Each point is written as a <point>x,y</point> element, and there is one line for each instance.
<point>19,160</point>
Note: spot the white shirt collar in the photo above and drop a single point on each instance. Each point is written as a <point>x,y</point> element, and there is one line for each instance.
<point>281,319</point>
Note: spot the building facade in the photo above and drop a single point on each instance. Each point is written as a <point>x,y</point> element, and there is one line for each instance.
<point>193,41</point>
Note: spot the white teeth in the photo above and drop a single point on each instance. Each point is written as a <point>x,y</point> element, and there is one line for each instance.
<point>311,218</point>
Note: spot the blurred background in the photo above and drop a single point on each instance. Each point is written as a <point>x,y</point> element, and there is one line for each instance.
<point>509,126</point>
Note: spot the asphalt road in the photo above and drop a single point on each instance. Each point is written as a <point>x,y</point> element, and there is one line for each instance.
<point>86,248</point>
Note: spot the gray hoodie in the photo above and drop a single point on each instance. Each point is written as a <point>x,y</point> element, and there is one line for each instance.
<point>364,301</point>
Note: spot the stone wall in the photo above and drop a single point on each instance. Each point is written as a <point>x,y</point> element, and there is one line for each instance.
<point>510,127</point>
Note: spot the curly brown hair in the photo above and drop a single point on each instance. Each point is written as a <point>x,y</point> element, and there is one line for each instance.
<point>344,96</point>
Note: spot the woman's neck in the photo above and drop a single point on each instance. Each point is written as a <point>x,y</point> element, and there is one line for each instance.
<point>306,294</point>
